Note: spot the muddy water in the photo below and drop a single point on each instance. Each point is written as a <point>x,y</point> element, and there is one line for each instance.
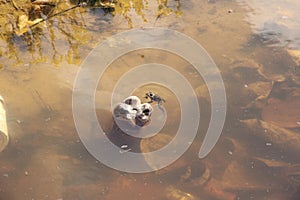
<point>45,158</point>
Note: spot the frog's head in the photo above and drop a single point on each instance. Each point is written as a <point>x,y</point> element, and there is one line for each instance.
<point>149,94</point>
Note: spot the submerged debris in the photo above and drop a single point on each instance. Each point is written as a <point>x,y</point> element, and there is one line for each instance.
<point>292,172</point>
<point>261,89</point>
<point>283,113</point>
<point>280,137</point>
<point>173,193</point>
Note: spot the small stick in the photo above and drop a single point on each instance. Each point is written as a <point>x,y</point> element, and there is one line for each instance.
<point>44,104</point>
<point>63,11</point>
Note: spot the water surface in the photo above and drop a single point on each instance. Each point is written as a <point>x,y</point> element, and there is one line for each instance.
<point>250,42</point>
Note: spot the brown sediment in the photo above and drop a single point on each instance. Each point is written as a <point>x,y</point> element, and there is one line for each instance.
<point>277,136</point>
<point>129,187</point>
<point>283,113</point>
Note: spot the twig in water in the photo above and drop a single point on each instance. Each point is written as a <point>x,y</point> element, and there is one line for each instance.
<point>59,13</point>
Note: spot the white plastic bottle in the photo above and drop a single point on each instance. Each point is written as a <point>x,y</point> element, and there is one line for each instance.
<point>3,126</point>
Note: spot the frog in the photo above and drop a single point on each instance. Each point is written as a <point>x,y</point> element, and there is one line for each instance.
<point>154,98</point>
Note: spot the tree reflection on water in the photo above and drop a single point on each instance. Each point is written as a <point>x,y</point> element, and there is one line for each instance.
<point>29,34</point>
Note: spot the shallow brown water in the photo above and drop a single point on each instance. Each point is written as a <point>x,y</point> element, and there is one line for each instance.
<point>45,158</point>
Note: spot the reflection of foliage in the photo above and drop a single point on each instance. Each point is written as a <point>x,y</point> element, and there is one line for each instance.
<point>59,38</point>
<point>165,9</point>
<point>23,44</point>
<point>125,7</point>
<point>23,14</point>
<point>120,7</point>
